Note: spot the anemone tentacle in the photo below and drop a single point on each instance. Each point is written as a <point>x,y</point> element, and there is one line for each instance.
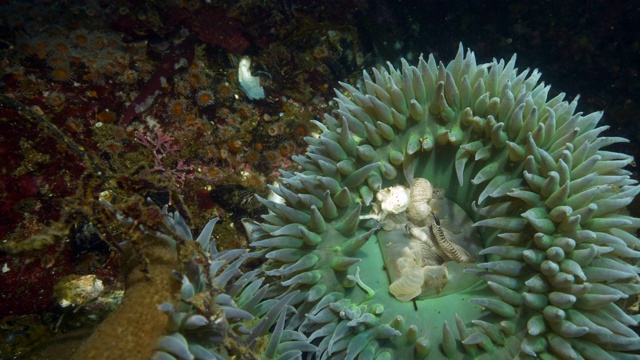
<point>223,312</point>
<point>557,248</point>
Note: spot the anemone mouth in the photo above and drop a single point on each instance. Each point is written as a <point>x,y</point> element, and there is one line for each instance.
<point>426,240</point>
<point>547,245</point>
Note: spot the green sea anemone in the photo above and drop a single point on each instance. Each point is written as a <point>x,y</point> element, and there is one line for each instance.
<point>223,312</point>
<point>456,212</point>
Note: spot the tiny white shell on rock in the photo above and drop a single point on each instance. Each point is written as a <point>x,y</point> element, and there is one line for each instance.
<point>77,290</point>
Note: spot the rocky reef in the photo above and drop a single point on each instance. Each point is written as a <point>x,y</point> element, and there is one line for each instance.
<point>439,209</point>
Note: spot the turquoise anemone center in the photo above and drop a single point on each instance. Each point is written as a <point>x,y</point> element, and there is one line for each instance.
<point>426,241</point>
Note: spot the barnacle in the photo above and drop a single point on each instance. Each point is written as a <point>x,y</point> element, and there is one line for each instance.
<point>527,191</point>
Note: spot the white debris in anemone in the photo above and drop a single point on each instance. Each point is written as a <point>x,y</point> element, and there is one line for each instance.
<point>421,194</point>
<point>431,233</point>
<point>414,275</point>
<point>394,199</point>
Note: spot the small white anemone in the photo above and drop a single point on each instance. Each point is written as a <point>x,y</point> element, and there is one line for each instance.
<point>249,84</point>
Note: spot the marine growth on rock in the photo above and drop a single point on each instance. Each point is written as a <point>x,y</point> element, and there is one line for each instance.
<point>455,211</point>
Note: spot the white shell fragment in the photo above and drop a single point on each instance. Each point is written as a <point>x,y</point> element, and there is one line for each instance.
<point>413,276</point>
<point>394,199</point>
<point>78,290</point>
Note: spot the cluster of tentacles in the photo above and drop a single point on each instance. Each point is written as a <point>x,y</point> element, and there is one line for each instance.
<point>558,255</point>
<point>224,312</point>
